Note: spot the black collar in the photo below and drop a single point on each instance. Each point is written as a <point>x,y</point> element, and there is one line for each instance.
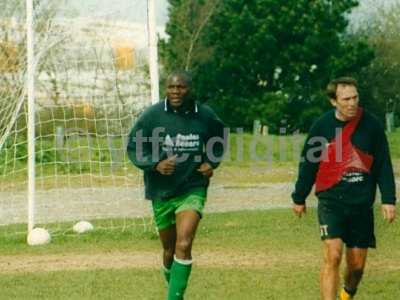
<point>192,109</point>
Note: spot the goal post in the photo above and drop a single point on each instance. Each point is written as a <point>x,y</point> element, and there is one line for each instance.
<point>153,53</point>
<point>31,113</point>
<point>81,75</point>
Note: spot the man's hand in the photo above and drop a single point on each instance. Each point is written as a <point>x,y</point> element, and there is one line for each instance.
<point>167,166</point>
<point>206,170</point>
<point>389,212</point>
<point>299,209</point>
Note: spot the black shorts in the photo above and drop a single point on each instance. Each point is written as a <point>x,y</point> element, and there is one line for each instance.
<point>354,224</point>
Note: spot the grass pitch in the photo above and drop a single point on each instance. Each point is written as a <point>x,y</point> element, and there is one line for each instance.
<point>243,255</point>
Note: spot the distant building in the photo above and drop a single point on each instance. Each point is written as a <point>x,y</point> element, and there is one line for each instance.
<point>85,60</point>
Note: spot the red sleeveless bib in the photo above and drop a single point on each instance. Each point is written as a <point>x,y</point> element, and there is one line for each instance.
<point>341,158</point>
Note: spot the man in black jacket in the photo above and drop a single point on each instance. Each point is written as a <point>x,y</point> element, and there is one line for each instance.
<point>177,143</point>
<point>346,155</point>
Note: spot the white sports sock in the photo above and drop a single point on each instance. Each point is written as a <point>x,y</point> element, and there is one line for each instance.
<point>185,262</point>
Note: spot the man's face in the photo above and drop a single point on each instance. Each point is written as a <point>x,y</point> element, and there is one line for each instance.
<point>346,102</point>
<point>177,91</point>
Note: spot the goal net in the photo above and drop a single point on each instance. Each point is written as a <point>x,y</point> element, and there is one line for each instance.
<point>91,81</point>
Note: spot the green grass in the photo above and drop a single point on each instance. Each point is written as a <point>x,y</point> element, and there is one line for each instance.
<point>110,234</point>
<point>206,283</point>
<point>275,255</point>
<point>394,143</point>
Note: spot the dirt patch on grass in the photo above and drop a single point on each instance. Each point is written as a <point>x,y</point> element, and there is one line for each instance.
<point>152,260</point>
<point>54,262</point>
<point>119,260</point>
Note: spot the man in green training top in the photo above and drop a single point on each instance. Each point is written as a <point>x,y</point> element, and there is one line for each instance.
<point>346,155</point>
<point>177,143</point>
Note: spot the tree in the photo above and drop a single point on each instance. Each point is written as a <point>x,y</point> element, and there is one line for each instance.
<point>380,81</point>
<point>188,20</point>
<point>266,57</point>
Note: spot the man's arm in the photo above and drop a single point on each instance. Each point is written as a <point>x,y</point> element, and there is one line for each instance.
<point>383,168</point>
<point>308,168</point>
<point>216,142</point>
<point>139,147</point>
<point>385,176</point>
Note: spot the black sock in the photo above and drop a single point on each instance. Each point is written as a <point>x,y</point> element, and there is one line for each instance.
<point>350,292</point>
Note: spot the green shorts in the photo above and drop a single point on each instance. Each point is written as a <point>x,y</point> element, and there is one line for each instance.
<point>353,224</point>
<point>165,210</point>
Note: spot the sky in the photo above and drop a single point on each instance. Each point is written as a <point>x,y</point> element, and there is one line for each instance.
<point>126,10</point>
<point>136,9</point>
<point>368,8</point>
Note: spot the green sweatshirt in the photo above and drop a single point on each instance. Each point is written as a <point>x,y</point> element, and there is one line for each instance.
<point>354,187</point>
<point>195,136</point>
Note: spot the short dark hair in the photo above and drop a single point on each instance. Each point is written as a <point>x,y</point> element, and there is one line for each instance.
<point>332,86</point>
<point>185,75</point>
